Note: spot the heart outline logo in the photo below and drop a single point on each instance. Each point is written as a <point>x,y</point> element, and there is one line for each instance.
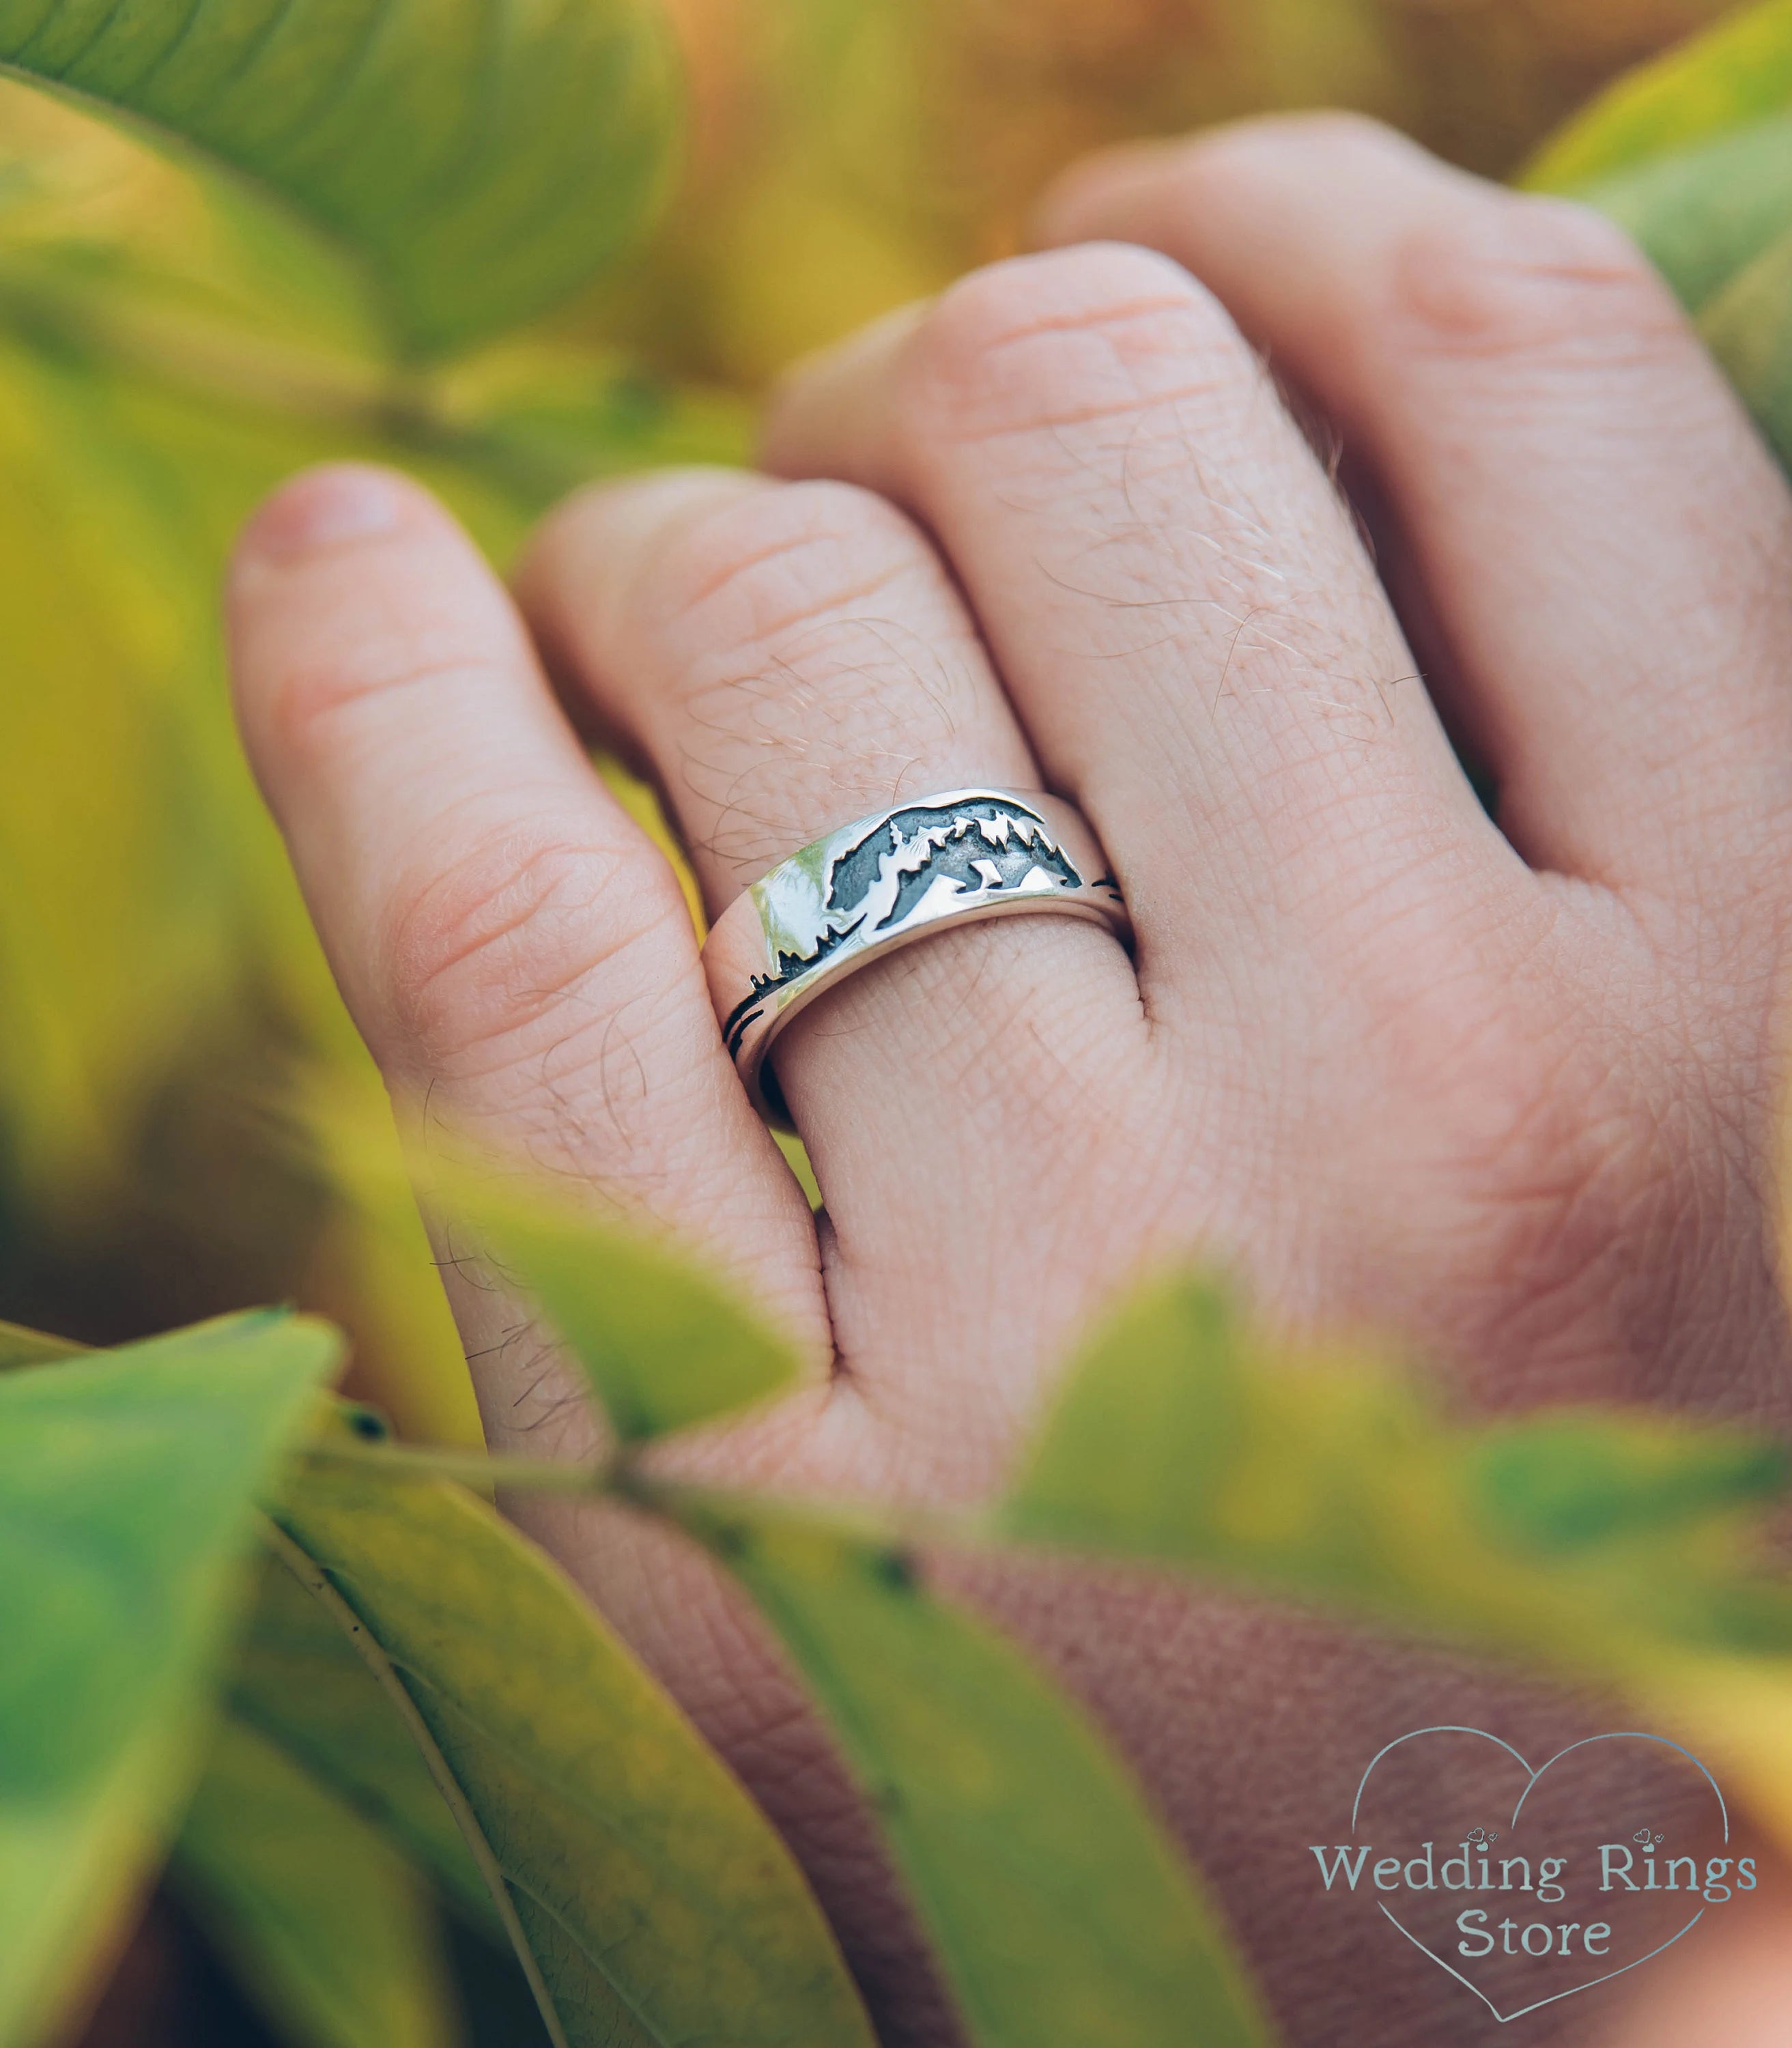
<point>1532,1777</point>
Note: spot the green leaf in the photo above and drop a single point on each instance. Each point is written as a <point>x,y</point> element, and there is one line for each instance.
<point>666,1345</point>
<point>297,1680</point>
<point>478,158</point>
<point>1603,1541</point>
<point>125,1486</point>
<point>21,1346</point>
<point>1062,1916</point>
<point>1704,216</point>
<point>1735,74</point>
<point>653,1901</point>
<point>1748,328</point>
<point>1693,156</point>
<point>326,1927</point>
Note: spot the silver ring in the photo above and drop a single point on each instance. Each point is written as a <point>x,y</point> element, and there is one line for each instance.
<point>883,882</point>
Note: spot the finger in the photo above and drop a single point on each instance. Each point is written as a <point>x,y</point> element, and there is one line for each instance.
<point>512,946</point>
<point>1733,1985</point>
<point>1597,527</point>
<point>790,658</point>
<point>1177,599</point>
<point>515,949</point>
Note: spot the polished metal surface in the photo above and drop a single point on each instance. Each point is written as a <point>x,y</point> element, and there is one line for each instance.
<point>883,882</point>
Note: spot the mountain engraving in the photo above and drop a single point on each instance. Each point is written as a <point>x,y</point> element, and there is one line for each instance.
<point>983,847</point>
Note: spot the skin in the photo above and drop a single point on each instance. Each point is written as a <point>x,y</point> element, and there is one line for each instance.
<point>1507,1091</point>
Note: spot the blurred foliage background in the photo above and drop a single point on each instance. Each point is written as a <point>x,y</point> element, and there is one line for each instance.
<point>169,347</point>
<point>850,154</point>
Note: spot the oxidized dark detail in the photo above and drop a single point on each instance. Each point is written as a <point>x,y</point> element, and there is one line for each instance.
<point>985,845</point>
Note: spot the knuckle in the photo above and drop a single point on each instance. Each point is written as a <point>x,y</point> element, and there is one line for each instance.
<point>816,655</point>
<point>1511,277</point>
<point>1044,343</point>
<point>308,705</point>
<point>1337,130</point>
<point>750,570</point>
<point>1324,144</point>
<point>520,920</point>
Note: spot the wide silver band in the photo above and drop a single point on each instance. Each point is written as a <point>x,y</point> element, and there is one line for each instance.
<point>883,882</point>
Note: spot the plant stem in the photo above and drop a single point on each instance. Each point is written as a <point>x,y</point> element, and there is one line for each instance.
<point>471,1468</point>
<point>877,1523</point>
<point>316,1582</point>
<point>259,378</point>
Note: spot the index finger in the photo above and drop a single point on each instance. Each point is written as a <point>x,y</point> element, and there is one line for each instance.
<point>508,941</point>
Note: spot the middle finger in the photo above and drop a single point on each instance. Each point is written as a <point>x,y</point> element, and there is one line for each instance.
<point>1190,629</point>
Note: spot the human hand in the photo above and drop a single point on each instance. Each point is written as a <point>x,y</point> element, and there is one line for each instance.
<point>1509,1094</point>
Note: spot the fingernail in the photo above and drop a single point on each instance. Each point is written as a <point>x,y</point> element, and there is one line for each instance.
<point>323,509</point>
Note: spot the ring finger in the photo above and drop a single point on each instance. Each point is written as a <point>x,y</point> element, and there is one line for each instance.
<point>786,658</point>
